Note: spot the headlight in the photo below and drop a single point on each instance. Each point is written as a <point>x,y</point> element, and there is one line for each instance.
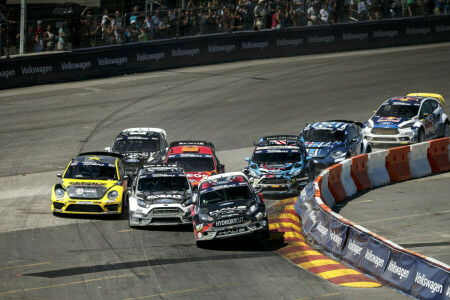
<point>113,195</point>
<point>337,154</point>
<point>205,217</point>
<point>252,173</point>
<point>252,209</point>
<point>296,173</point>
<point>60,193</point>
<point>142,203</point>
<point>409,125</point>
<point>369,124</point>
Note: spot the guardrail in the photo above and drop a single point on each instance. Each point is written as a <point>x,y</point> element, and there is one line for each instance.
<point>171,53</point>
<point>407,271</point>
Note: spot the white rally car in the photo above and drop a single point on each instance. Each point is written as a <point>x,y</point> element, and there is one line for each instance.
<point>157,196</point>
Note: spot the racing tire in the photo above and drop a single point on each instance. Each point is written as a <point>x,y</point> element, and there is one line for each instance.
<point>369,149</point>
<point>421,136</point>
<point>265,234</point>
<point>203,244</point>
<point>56,214</point>
<point>446,130</point>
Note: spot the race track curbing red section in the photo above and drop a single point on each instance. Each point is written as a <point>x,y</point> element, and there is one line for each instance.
<point>407,271</point>
<point>284,225</point>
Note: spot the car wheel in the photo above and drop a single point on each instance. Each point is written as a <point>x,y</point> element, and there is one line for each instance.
<point>203,244</point>
<point>421,137</point>
<point>446,130</point>
<point>369,149</point>
<point>129,223</point>
<point>265,234</point>
<point>56,214</point>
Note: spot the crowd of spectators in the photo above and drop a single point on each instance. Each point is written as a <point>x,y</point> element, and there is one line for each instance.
<point>200,17</point>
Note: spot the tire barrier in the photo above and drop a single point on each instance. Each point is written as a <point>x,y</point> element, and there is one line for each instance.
<point>407,271</point>
<point>346,178</point>
<point>376,168</point>
<point>359,172</point>
<point>397,164</point>
<point>418,160</point>
<point>284,226</point>
<point>334,183</point>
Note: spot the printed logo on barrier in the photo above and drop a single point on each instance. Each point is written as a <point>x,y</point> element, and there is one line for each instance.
<point>385,33</point>
<point>377,261</point>
<point>335,238</point>
<point>152,56</point>
<point>221,48</point>
<point>355,36</point>
<point>442,28</point>
<point>34,70</point>
<point>448,292</point>
<point>289,42</point>
<point>320,39</point>
<point>352,246</point>
<point>251,45</point>
<point>413,30</point>
<point>425,282</point>
<point>74,66</point>
<point>313,217</point>
<point>112,61</point>
<point>323,231</point>
<point>393,268</point>
<point>185,52</point>
<point>7,73</point>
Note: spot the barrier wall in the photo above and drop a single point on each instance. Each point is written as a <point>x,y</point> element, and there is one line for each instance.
<point>407,271</point>
<point>171,53</point>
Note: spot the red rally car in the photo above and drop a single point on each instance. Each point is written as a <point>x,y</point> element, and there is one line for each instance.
<point>198,159</point>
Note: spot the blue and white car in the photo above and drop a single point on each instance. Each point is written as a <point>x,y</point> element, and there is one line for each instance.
<point>279,165</point>
<point>408,119</point>
<point>328,143</point>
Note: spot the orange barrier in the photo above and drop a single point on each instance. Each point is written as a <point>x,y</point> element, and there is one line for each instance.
<point>359,172</point>
<point>438,156</point>
<point>397,164</point>
<point>334,183</point>
<point>318,181</point>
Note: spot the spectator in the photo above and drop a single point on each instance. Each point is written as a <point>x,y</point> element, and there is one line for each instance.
<point>50,38</point>
<point>439,7</point>
<point>133,32</point>
<point>260,15</point>
<point>148,28</point>
<point>396,9</point>
<point>410,8</point>
<point>298,12</point>
<point>312,13</point>
<point>117,22</point>
<point>362,11</point>
<point>105,17</point>
<point>39,37</point>
<point>136,16</point>
<point>95,33</point>
<point>85,34</point>
<point>108,33</point>
<point>276,19</point>
<point>30,39</point>
<point>324,15</point>
<point>62,40</point>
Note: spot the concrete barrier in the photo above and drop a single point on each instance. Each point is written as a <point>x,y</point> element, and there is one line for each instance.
<point>359,172</point>
<point>438,155</point>
<point>418,161</point>
<point>334,183</point>
<point>376,168</point>
<point>397,164</point>
<point>346,178</point>
<point>324,192</point>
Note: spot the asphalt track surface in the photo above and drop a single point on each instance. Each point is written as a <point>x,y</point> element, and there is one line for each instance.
<point>42,127</point>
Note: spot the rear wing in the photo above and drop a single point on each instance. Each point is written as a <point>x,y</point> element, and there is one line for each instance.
<point>437,96</point>
<point>348,121</point>
<point>102,153</point>
<point>164,167</point>
<point>277,140</point>
<point>193,143</point>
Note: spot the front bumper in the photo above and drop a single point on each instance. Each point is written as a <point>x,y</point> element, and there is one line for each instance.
<point>214,233</point>
<point>278,185</point>
<point>406,136</point>
<point>160,216</point>
<point>87,207</point>
<point>321,163</point>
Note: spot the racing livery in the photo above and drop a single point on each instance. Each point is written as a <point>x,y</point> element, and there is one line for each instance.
<point>140,146</point>
<point>408,119</point>
<point>93,183</point>
<point>198,159</point>
<point>328,143</point>
<point>279,165</point>
<point>157,194</point>
<point>226,205</point>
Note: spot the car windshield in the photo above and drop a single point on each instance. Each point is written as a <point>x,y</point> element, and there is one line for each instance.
<point>225,195</point>
<point>278,157</point>
<point>320,135</point>
<point>97,172</point>
<point>162,184</point>
<point>403,111</point>
<point>193,164</point>
<point>138,145</point>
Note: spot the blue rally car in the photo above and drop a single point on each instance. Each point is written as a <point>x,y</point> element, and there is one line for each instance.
<point>409,119</point>
<point>279,165</point>
<point>328,143</point>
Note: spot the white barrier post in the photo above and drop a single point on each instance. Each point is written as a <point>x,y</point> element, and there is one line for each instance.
<point>327,197</point>
<point>418,160</point>
<point>346,178</point>
<point>376,168</point>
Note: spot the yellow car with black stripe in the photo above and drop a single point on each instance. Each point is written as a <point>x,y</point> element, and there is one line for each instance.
<point>93,183</point>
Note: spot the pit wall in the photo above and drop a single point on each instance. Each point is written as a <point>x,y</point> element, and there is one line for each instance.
<point>208,49</point>
<point>407,271</point>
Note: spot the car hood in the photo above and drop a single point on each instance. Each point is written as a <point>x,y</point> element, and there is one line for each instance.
<point>87,189</point>
<point>169,197</point>
<point>322,149</point>
<point>388,121</point>
<point>228,209</point>
<point>195,177</point>
<point>275,168</point>
<point>131,158</point>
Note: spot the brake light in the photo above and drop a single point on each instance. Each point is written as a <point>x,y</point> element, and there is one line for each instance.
<point>261,197</point>
<point>190,149</point>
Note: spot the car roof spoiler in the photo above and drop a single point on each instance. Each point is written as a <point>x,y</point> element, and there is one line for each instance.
<point>347,121</point>
<point>192,143</point>
<point>432,95</point>
<point>102,153</point>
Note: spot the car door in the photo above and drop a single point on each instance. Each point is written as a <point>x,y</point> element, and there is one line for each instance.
<point>437,111</point>
<point>427,117</point>
<point>354,141</point>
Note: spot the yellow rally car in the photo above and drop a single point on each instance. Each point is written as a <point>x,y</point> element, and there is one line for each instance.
<point>93,183</point>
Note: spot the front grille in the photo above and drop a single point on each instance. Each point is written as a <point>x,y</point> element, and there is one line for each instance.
<point>84,208</point>
<point>385,131</point>
<point>58,205</point>
<point>274,181</point>
<point>167,211</point>
<point>165,221</point>
<point>274,189</point>
<point>131,170</point>
<point>384,139</point>
<point>112,207</point>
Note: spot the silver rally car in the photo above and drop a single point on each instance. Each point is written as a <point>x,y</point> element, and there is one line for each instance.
<point>157,196</point>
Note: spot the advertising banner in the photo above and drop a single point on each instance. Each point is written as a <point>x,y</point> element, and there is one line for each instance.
<point>355,247</point>
<point>429,282</point>
<point>337,237</point>
<point>375,258</point>
<point>400,271</point>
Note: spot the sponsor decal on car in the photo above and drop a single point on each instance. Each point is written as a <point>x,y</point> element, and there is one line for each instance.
<point>231,231</point>
<point>228,222</point>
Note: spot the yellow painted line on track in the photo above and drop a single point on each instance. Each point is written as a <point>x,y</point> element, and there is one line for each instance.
<point>321,296</point>
<point>300,254</point>
<point>337,273</point>
<point>286,216</point>
<point>404,217</point>
<point>24,266</point>
<point>295,244</point>
<point>293,234</point>
<point>283,225</point>
<point>68,283</point>
<point>317,263</point>
<point>183,291</point>
<point>361,284</point>
<point>127,230</point>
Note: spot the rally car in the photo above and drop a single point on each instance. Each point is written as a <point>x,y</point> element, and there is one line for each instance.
<point>226,205</point>
<point>140,146</point>
<point>93,183</point>
<point>156,197</point>
<point>328,143</point>
<point>408,119</point>
<point>279,165</point>
<point>198,159</point>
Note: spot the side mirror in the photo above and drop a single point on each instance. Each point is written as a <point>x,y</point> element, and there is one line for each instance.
<point>247,159</point>
<point>261,197</point>
<point>187,202</point>
<point>108,149</point>
<point>126,176</point>
<point>59,175</point>
<point>140,195</point>
<point>353,140</point>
